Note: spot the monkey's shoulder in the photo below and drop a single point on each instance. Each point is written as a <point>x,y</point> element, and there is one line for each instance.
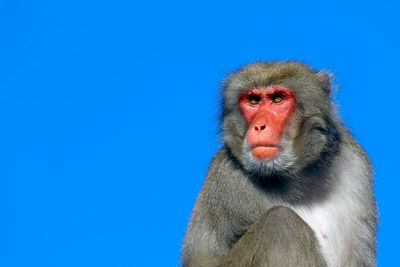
<point>227,191</point>
<point>224,164</point>
<point>354,154</point>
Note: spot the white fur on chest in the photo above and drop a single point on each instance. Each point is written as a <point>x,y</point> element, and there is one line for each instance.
<point>331,229</point>
<point>334,221</point>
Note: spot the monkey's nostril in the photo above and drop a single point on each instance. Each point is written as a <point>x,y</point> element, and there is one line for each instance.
<point>259,129</point>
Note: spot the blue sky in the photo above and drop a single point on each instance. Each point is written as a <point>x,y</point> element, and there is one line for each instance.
<point>109,111</point>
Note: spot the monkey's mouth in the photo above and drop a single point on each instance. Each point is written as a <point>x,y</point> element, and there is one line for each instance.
<point>265,151</point>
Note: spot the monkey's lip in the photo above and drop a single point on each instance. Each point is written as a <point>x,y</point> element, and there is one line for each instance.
<point>265,151</point>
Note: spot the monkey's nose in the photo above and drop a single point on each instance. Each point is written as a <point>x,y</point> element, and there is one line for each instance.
<point>259,128</point>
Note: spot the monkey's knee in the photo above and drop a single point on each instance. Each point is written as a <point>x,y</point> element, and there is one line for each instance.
<point>282,217</point>
<point>290,241</point>
<point>280,214</point>
<point>279,238</point>
<point>282,228</point>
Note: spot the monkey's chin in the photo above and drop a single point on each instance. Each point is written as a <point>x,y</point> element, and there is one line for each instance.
<point>265,152</point>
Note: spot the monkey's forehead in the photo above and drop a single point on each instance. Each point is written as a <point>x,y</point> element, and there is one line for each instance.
<point>268,73</point>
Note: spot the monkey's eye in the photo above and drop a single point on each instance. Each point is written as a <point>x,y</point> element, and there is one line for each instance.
<point>277,98</point>
<point>254,99</point>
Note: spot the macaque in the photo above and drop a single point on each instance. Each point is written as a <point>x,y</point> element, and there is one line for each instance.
<point>290,186</point>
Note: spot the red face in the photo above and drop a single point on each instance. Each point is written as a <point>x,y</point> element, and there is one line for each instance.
<point>266,111</point>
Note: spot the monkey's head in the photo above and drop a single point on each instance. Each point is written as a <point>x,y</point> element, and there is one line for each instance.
<point>277,117</point>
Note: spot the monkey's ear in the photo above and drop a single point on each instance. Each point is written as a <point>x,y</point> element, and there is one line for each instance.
<point>324,77</point>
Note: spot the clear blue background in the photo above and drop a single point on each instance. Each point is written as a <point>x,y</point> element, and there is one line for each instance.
<point>108,114</point>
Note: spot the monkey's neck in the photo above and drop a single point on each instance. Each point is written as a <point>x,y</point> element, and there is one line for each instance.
<point>305,187</point>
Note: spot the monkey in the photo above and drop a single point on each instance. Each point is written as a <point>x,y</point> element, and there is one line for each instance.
<point>290,186</point>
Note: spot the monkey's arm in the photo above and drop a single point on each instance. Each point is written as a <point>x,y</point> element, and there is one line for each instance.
<point>280,238</point>
<point>209,234</point>
<point>204,244</point>
<point>364,212</point>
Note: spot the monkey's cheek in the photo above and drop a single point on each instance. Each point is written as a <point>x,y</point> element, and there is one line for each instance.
<point>265,152</point>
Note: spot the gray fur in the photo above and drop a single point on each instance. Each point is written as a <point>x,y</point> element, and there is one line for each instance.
<point>323,175</point>
<point>279,231</point>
